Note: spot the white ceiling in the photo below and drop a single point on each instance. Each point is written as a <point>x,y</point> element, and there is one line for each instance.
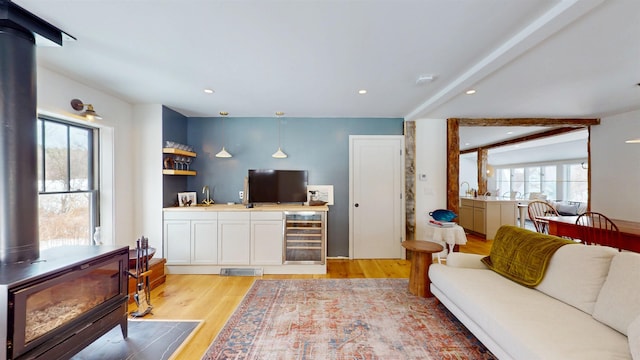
<point>308,58</point>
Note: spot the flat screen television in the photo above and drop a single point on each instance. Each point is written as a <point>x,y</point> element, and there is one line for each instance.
<point>277,186</point>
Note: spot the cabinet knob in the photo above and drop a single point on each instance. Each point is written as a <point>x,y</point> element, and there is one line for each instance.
<point>356,205</point>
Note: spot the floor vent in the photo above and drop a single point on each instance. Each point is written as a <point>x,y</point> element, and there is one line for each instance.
<point>240,272</point>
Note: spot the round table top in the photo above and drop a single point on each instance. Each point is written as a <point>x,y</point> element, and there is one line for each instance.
<point>422,246</point>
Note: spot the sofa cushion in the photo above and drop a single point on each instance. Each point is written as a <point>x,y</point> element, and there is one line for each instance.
<point>522,255</point>
<point>618,303</point>
<point>633,333</point>
<point>575,275</point>
<point>567,209</point>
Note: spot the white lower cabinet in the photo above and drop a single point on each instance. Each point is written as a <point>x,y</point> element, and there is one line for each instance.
<point>266,238</point>
<point>208,240</point>
<point>204,242</point>
<point>191,238</point>
<point>234,238</point>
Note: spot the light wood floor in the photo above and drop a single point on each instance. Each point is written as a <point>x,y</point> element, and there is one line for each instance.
<point>213,298</point>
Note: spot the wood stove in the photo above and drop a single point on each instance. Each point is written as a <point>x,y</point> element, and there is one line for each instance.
<point>53,307</point>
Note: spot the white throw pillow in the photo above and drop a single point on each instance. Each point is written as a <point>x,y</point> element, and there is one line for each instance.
<point>634,338</point>
<point>575,274</point>
<point>618,303</point>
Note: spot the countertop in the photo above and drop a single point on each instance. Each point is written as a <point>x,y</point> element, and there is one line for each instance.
<point>492,199</point>
<point>241,207</point>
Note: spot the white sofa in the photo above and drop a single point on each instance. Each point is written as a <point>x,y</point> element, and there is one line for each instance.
<point>584,308</point>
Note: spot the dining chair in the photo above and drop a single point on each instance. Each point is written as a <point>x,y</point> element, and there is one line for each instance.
<point>597,229</point>
<point>538,208</point>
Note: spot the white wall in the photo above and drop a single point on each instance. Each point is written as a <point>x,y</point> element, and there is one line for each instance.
<point>615,167</point>
<point>116,156</point>
<point>431,160</point>
<point>148,174</point>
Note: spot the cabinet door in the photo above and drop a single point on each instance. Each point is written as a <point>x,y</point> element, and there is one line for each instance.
<point>493,220</point>
<point>234,241</point>
<point>509,214</point>
<point>266,242</point>
<point>177,242</point>
<point>466,217</point>
<point>478,220</point>
<point>204,242</point>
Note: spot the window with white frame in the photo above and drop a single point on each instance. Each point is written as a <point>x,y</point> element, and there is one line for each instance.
<point>68,183</point>
<point>558,181</point>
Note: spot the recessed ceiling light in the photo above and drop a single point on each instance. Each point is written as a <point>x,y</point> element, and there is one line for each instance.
<point>470,91</point>
<point>209,91</point>
<point>509,132</point>
<point>362,92</point>
<point>467,144</point>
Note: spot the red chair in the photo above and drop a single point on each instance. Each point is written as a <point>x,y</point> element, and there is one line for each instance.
<point>597,229</point>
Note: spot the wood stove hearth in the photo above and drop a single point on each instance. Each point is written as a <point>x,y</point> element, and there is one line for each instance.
<point>54,307</point>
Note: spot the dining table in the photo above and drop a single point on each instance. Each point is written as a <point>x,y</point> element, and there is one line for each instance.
<point>566,226</point>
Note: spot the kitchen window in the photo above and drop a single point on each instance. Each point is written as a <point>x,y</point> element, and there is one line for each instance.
<point>560,181</point>
<point>68,185</point>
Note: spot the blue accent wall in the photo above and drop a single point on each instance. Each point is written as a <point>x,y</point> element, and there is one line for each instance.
<point>174,128</point>
<point>319,145</point>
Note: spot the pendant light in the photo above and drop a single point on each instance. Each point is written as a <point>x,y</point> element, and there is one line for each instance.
<point>279,154</point>
<point>223,153</point>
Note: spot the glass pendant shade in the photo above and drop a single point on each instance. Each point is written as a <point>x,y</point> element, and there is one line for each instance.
<point>279,154</point>
<point>223,153</point>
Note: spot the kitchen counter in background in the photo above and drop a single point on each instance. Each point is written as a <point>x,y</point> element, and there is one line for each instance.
<point>484,215</point>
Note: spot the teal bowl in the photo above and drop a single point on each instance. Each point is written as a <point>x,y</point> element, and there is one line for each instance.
<point>443,215</point>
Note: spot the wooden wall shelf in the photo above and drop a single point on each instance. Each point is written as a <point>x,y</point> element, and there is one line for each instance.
<point>178,152</point>
<point>179,172</point>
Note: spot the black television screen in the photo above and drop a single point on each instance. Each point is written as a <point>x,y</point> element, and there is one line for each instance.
<point>277,186</point>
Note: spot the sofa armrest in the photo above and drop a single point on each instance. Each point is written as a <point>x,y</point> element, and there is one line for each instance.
<point>464,260</point>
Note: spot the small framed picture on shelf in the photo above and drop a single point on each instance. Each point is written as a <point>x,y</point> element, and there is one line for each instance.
<point>187,198</point>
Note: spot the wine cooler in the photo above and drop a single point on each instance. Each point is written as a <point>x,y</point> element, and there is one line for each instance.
<point>304,237</point>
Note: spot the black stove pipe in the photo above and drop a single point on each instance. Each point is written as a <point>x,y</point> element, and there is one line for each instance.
<point>19,30</point>
<point>19,239</point>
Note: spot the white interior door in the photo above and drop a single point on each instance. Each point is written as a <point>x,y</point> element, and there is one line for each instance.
<point>376,196</point>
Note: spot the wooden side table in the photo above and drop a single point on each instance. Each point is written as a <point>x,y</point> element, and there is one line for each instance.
<point>421,259</point>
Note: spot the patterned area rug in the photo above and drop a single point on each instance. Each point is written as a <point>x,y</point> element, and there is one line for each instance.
<point>342,319</point>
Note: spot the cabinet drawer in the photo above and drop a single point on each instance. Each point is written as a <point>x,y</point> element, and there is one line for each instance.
<point>479,204</point>
<point>190,215</point>
<point>234,215</point>
<point>266,215</point>
<point>466,202</point>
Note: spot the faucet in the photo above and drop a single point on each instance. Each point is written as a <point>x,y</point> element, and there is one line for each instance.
<point>207,200</point>
<point>468,192</point>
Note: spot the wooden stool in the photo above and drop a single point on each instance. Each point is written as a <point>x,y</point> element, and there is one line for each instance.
<point>421,259</point>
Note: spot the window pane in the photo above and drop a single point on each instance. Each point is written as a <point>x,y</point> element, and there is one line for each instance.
<point>577,185</point>
<point>55,156</point>
<point>533,179</point>
<point>503,180</point>
<point>40,175</point>
<point>549,186</point>
<point>65,219</point>
<point>517,180</point>
<point>79,160</point>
